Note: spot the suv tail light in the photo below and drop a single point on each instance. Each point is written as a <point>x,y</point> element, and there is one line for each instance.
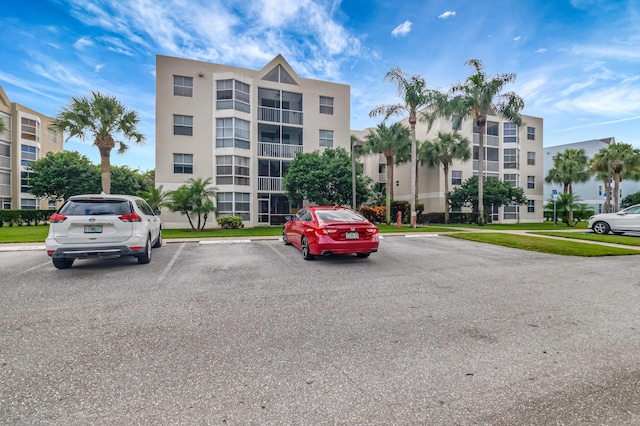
<point>57,218</point>
<point>130,217</point>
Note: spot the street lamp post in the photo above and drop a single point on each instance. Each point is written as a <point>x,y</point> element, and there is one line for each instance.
<point>356,143</point>
<point>609,192</point>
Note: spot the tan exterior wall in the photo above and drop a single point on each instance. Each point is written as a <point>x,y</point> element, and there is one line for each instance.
<point>430,182</point>
<point>203,107</point>
<point>36,143</point>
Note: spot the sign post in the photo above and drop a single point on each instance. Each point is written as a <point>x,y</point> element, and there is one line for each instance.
<point>554,194</point>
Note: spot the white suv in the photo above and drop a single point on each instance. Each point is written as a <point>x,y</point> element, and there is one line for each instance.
<point>90,226</point>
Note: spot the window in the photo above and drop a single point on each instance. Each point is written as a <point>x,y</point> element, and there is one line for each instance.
<point>28,204</point>
<point>5,155</point>
<point>510,132</point>
<point>234,204</point>
<point>492,128</point>
<point>232,170</point>
<point>456,177</point>
<point>182,86</point>
<point>510,212</point>
<point>183,163</point>
<point>183,125</point>
<point>510,158</point>
<point>279,74</point>
<point>52,135</point>
<point>233,94</point>
<point>5,183</point>
<point>453,123</point>
<point>6,135</point>
<point>511,179</point>
<point>232,132</point>
<point>326,105</point>
<point>24,181</point>
<point>51,204</point>
<point>30,130</point>
<point>5,203</point>
<point>600,190</point>
<point>531,182</point>
<point>531,133</point>
<point>28,154</point>
<point>326,138</point>
<point>531,158</point>
<point>531,206</point>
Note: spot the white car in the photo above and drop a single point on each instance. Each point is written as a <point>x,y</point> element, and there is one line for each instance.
<point>626,220</point>
<point>91,226</point>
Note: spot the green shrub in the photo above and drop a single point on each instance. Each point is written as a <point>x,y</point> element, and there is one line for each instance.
<point>230,222</point>
<point>24,217</point>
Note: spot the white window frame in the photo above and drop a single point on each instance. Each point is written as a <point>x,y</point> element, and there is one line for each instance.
<point>181,160</point>
<point>531,158</point>
<point>28,155</point>
<point>456,177</point>
<point>509,132</point>
<point>326,105</point>
<point>182,86</point>
<point>512,178</point>
<point>183,122</point>
<point>531,182</point>
<point>531,133</point>
<point>510,158</point>
<point>29,129</point>
<point>326,138</point>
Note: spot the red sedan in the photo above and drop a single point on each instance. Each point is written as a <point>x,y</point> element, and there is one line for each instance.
<point>322,230</point>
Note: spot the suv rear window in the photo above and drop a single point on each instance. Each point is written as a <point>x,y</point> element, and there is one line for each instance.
<point>95,208</point>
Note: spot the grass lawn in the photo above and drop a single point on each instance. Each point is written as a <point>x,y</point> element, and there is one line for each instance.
<point>626,240</point>
<point>544,245</point>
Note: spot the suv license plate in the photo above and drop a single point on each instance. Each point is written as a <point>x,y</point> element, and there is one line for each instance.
<point>352,236</point>
<point>92,229</point>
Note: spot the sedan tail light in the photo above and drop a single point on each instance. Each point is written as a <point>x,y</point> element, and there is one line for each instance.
<point>57,218</point>
<point>372,231</point>
<point>326,231</point>
<point>130,217</point>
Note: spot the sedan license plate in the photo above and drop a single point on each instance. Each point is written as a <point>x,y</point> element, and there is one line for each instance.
<point>352,235</point>
<point>92,229</point>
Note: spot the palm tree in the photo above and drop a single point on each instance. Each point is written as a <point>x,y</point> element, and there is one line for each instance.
<point>196,196</point>
<point>443,150</point>
<point>620,160</point>
<point>478,97</point>
<point>387,140</point>
<point>103,118</point>
<point>414,96</point>
<point>155,197</point>
<point>569,167</point>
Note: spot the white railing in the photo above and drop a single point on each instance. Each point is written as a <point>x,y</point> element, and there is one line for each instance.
<point>5,190</point>
<point>382,177</point>
<point>270,184</point>
<point>489,140</point>
<point>277,150</point>
<point>269,114</point>
<point>5,161</point>
<point>291,117</point>
<point>275,115</point>
<point>489,166</point>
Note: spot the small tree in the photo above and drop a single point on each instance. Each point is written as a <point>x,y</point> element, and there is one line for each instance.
<point>325,178</point>
<point>57,176</point>
<point>194,198</point>
<point>127,181</point>
<point>495,192</point>
<point>155,197</point>
<point>568,209</point>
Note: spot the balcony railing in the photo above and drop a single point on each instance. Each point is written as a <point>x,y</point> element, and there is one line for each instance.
<point>382,177</point>
<point>5,162</point>
<point>489,166</point>
<point>276,115</point>
<point>270,184</point>
<point>277,150</point>
<point>489,140</point>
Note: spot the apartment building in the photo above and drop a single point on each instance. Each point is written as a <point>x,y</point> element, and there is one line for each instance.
<point>592,192</point>
<point>241,128</point>
<point>511,153</point>
<point>27,138</point>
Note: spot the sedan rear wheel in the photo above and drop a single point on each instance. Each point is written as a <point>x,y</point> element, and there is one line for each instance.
<point>145,257</point>
<point>601,228</point>
<point>285,240</point>
<point>305,249</point>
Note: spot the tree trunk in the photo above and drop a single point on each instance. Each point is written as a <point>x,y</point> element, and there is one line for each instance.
<point>607,188</point>
<point>616,194</point>
<point>389,184</point>
<point>105,170</point>
<point>414,155</point>
<point>446,192</point>
<point>481,129</point>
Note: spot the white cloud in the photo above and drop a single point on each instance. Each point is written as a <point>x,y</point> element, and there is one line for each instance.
<point>447,14</point>
<point>402,29</point>
<point>83,42</point>
<point>541,50</point>
<point>518,38</point>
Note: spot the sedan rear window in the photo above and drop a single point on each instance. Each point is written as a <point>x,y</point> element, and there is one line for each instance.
<point>96,208</point>
<point>338,215</point>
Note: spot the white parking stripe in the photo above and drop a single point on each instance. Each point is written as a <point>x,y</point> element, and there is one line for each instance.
<point>167,268</point>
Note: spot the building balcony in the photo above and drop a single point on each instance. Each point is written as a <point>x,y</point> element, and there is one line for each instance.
<point>276,115</point>
<point>5,162</point>
<point>489,166</point>
<point>270,184</point>
<point>278,150</point>
<point>489,140</point>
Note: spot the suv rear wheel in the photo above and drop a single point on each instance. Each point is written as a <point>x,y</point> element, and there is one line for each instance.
<point>145,257</point>
<point>62,263</point>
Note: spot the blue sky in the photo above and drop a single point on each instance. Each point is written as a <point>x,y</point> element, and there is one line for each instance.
<point>577,61</point>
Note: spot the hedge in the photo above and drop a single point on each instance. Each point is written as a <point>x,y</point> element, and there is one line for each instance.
<point>24,217</point>
<point>229,222</point>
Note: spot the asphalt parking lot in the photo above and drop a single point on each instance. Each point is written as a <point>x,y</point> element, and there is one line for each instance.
<point>430,330</point>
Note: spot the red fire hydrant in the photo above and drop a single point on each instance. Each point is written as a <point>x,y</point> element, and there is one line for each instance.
<point>399,215</point>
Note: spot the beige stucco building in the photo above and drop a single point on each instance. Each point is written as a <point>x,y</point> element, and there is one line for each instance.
<point>512,154</point>
<point>241,128</point>
<point>27,138</point>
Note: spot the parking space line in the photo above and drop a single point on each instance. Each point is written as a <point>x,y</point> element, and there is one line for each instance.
<point>167,268</point>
